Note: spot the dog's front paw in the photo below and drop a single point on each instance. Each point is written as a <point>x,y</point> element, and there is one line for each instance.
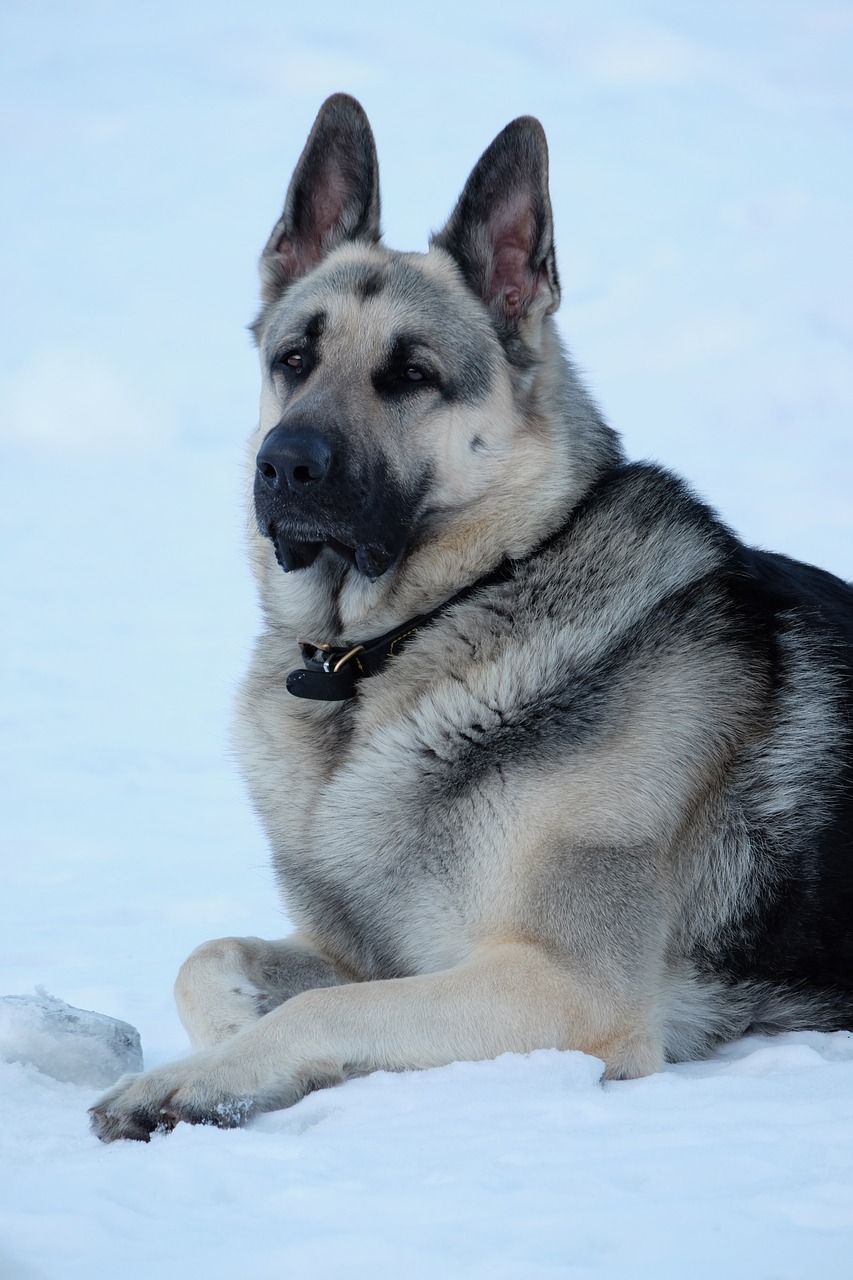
<point>155,1102</point>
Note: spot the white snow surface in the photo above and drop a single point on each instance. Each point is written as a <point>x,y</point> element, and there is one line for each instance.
<point>703,189</point>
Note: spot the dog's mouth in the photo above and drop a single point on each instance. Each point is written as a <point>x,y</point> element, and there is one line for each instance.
<point>365,520</point>
<point>371,559</point>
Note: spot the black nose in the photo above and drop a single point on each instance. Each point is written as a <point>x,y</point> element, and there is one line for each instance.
<point>294,459</point>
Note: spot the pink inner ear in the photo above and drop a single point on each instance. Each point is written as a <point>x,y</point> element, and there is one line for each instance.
<point>323,226</point>
<point>511,281</point>
<point>512,229</point>
<point>295,260</point>
<point>330,201</point>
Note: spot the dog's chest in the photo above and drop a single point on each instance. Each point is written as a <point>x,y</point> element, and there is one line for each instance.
<point>379,853</point>
<point>376,881</point>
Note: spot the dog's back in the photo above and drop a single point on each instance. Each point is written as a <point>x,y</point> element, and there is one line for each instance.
<point>801,931</point>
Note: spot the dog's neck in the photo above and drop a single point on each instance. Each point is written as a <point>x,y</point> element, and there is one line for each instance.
<point>332,673</point>
<point>435,571</point>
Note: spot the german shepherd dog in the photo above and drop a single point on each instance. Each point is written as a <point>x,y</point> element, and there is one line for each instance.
<point>546,756</point>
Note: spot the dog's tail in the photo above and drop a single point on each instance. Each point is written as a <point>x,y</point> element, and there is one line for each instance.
<point>704,1012</point>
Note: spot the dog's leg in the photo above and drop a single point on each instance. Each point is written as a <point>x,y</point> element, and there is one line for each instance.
<point>228,984</point>
<point>513,997</point>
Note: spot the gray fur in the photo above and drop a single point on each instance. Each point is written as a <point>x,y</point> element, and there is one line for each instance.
<point>571,808</point>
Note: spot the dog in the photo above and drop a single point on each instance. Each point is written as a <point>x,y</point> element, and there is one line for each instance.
<point>545,755</point>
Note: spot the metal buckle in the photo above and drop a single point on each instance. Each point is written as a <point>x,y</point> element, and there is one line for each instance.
<point>350,653</point>
<point>334,660</point>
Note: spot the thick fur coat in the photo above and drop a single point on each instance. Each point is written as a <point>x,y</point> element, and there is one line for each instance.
<point>599,795</point>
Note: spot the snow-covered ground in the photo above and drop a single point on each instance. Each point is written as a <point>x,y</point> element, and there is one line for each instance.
<point>703,186</point>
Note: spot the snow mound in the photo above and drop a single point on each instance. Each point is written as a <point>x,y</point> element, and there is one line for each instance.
<point>73,1045</point>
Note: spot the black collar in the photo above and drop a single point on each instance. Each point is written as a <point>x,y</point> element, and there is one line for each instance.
<point>331,675</point>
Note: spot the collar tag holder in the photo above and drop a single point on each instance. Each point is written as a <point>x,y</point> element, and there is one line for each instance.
<point>329,674</point>
<point>322,686</point>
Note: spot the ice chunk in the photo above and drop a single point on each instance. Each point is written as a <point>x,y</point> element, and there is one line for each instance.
<point>75,1045</point>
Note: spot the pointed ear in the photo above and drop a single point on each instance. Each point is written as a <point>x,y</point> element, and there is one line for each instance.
<point>333,196</point>
<point>501,232</point>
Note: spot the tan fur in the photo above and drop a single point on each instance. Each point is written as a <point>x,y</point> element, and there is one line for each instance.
<point>533,827</point>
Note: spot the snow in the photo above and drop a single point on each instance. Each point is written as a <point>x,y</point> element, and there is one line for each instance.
<point>525,1166</point>
<point>703,192</point>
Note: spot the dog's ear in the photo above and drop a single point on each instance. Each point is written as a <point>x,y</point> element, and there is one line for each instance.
<point>501,232</point>
<point>333,196</point>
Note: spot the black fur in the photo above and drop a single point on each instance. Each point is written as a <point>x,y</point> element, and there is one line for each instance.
<point>600,801</point>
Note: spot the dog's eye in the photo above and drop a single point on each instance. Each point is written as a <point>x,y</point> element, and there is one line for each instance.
<point>399,379</point>
<point>288,363</point>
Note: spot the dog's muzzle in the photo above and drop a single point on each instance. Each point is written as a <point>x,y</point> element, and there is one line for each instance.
<point>312,492</point>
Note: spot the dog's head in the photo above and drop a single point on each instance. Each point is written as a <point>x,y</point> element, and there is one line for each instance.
<point>410,400</point>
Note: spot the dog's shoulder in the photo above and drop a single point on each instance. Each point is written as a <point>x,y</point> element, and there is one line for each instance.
<point>639,537</point>
<point>642,518</point>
